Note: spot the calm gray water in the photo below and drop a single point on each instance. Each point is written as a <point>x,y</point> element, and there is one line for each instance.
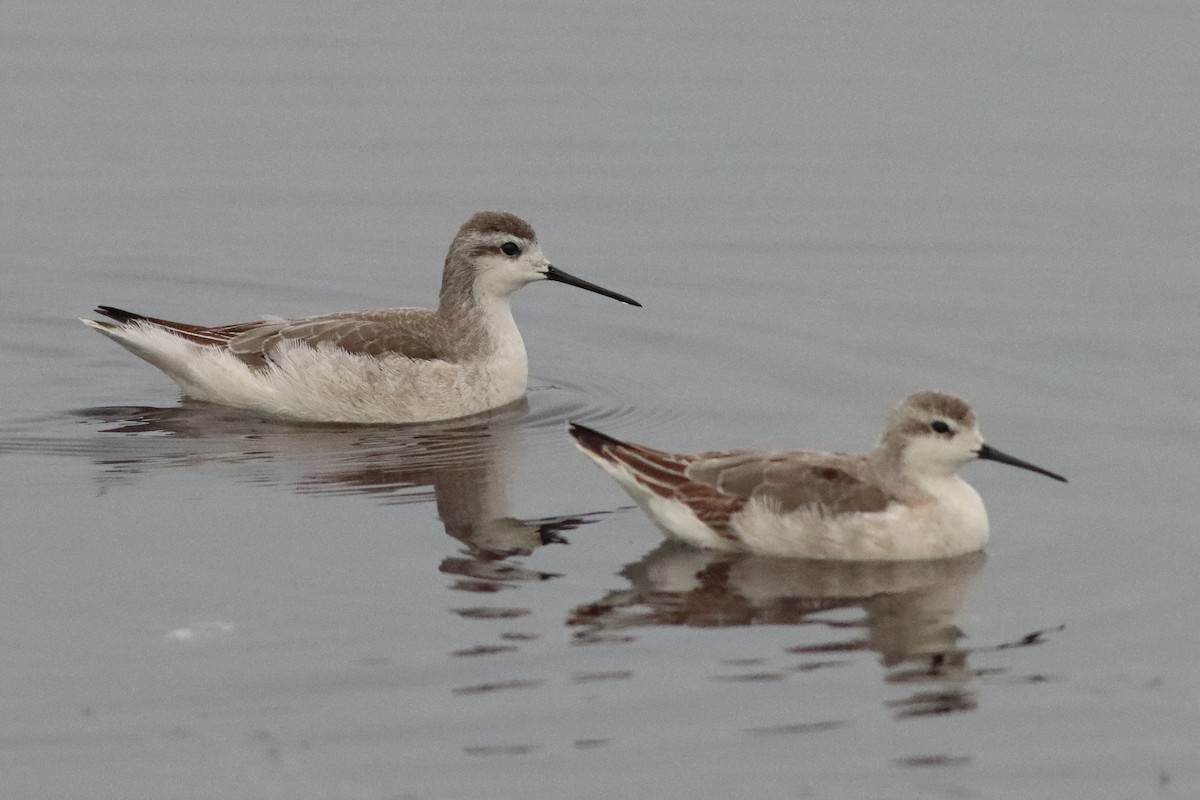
<point>823,207</point>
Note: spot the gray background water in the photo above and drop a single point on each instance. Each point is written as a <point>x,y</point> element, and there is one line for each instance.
<point>823,207</point>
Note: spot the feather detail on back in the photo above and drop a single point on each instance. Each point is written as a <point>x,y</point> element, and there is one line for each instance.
<point>902,500</point>
<point>394,365</point>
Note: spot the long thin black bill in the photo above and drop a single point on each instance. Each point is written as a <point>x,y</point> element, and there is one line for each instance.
<point>992,454</point>
<point>556,274</point>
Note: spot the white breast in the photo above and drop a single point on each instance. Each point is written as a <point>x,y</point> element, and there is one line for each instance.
<point>951,523</point>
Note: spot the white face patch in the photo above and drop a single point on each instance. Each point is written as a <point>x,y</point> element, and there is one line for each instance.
<point>941,454</point>
<point>500,274</point>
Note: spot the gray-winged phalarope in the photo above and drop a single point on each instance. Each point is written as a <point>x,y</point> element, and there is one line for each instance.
<point>903,500</point>
<point>390,365</point>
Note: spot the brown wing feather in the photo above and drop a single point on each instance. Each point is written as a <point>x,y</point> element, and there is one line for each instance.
<point>200,334</point>
<point>829,488</point>
<point>372,333</point>
<point>717,485</point>
<point>665,474</point>
<point>828,483</point>
<point>377,333</point>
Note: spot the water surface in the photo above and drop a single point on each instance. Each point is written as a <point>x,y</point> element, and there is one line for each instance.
<point>822,207</point>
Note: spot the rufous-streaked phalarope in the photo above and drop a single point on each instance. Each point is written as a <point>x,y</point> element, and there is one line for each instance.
<point>903,500</point>
<point>391,365</point>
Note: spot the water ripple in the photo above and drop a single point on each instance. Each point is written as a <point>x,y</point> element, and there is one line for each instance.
<point>554,403</point>
<point>404,462</point>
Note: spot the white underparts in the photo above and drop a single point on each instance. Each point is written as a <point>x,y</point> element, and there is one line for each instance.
<point>328,384</point>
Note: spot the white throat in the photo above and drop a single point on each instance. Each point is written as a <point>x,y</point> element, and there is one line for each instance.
<point>504,359</point>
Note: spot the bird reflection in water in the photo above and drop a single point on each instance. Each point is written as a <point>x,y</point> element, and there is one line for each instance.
<point>463,466</point>
<point>905,612</point>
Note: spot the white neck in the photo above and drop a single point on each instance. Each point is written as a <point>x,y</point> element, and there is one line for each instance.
<point>494,316</point>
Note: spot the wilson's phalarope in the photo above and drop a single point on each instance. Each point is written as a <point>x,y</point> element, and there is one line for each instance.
<point>903,500</point>
<point>391,365</point>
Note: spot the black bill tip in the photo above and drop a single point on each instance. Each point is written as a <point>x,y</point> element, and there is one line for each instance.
<point>988,453</point>
<point>556,274</point>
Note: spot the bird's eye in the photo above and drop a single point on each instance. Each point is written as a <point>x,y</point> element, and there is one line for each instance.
<point>510,249</point>
<point>938,426</point>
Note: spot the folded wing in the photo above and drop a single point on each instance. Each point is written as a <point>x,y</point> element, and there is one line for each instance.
<point>361,333</point>
<point>825,483</point>
<point>371,333</point>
